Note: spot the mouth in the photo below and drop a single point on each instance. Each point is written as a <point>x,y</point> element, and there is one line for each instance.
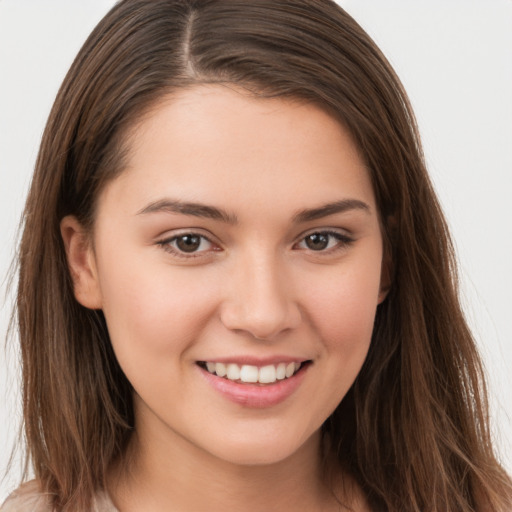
<point>251,374</point>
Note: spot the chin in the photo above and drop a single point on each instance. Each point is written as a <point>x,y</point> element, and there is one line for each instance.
<point>264,450</point>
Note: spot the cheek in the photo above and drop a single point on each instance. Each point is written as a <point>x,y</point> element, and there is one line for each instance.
<point>343,312</point>
<point>151,315</point>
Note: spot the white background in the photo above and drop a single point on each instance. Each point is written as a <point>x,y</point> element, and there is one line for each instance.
<point>455,60</point>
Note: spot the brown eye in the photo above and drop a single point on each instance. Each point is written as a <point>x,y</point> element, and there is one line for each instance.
<point>317,241</point>
<point>324,241</point>
<point>188,243</point>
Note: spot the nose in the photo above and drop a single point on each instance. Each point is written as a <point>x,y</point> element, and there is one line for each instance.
<point>259,299</point>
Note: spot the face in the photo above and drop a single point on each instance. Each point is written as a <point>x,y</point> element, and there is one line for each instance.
<point>238,263</point>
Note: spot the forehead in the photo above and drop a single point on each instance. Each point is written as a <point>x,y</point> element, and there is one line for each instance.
<point>220,144</point>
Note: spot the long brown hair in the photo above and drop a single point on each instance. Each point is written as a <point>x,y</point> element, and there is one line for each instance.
<point>413,430</point>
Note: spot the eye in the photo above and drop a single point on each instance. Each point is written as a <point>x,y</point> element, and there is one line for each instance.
<point>324,241</point>
<point>187,244</point>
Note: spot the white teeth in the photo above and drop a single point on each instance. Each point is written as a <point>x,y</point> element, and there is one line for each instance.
<point>249,373</point>
<point>267,374</point>
<point>281,371</point>
<point>233,372</point>
<point>220,369</point>
<point>290,369</point>
<point>252,374</point>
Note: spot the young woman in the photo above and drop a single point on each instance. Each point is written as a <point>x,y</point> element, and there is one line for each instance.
<point>236,287</point>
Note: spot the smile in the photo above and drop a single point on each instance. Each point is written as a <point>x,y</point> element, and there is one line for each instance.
<point>255,385</point>
<point>253,374</point>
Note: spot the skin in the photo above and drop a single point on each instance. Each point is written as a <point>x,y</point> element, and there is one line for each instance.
<point>252,288</point>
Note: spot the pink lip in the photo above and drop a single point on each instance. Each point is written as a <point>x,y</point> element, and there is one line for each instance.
<point>255,395</point>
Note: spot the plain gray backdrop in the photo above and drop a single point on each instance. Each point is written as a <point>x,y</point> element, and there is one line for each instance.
<point>455,60</point>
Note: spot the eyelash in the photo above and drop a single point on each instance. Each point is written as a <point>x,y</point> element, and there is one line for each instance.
<point>343,241</point>
<point>166,245</point>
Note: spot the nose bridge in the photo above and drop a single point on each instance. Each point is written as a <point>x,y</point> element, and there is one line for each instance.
<point>260,296</point>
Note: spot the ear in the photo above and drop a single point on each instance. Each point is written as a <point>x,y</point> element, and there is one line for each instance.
<point>81,263</point>
<point>387,272</point>
<point>386,276</point>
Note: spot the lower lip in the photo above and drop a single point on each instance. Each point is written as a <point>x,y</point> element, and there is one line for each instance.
<point>254,395</point>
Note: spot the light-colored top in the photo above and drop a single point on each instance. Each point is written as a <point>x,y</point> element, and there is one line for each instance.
<point>29,498</point>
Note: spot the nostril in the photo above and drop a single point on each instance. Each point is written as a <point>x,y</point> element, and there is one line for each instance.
<point>258,299</point>
<point>262,323</point>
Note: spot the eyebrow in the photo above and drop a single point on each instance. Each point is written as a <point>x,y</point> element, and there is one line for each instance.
<point>325,210</point>
<point>189,208</point>
<point>212,212</point>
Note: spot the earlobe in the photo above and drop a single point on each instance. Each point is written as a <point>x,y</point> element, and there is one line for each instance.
<point>383,293</point>
<point>81,263</point>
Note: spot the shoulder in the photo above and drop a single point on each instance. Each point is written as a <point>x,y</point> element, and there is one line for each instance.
<point>27,498</point>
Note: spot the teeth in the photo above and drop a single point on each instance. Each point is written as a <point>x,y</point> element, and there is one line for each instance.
<point>267,374</point>
<point>249,373</point>
<point>220,369</point>
<point>233,372</point>
<point>252,374</point>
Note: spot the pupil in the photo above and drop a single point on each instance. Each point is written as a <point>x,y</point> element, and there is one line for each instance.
<point>188,243</point>
<point>317,241</point>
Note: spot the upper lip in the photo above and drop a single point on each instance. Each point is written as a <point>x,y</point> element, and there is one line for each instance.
<point>256,361</point>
